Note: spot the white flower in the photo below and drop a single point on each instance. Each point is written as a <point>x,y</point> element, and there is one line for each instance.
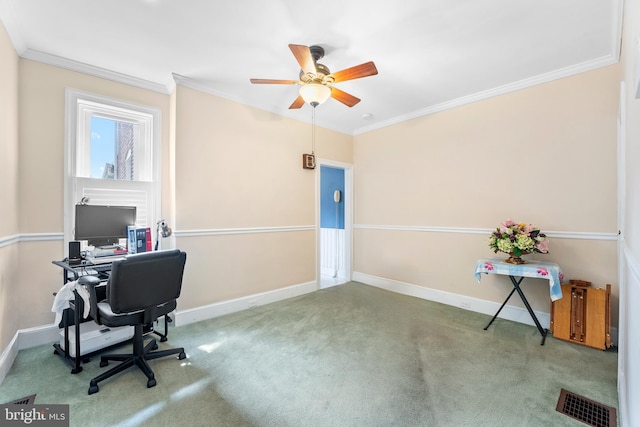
<point>505,245</point>
<point>517,238</point>
<point>524,242</point>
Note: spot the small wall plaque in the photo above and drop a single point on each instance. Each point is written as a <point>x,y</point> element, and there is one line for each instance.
<point>308,161</point>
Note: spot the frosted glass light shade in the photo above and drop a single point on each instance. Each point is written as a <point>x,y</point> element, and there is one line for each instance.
<point>314,93</point>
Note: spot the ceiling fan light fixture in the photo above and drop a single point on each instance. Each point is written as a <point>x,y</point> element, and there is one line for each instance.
<point>315,93</point>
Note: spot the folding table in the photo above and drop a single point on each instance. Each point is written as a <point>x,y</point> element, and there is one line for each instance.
<point>517,272</point>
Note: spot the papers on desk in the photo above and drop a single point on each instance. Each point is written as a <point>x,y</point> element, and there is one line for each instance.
<point>537,269</point>
<point>104,259</point>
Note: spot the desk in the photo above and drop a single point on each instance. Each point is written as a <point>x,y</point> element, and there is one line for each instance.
<point>71,316</point>
<point>517,272</point>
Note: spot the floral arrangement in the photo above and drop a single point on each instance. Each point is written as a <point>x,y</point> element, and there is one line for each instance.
<point>518,239</point>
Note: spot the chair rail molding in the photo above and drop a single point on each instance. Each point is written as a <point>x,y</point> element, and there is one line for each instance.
<point>43,237</point>
<point>29,237</point>
<point>487,231</point>
<point>246,230</point>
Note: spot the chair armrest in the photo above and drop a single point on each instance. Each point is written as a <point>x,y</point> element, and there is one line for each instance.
<point>90,282</point>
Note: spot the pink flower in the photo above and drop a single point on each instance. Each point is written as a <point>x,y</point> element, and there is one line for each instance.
<point>488,266</point>
<point>505,226</point>
<point>518,238</point>
<point>561,277</point>
<point>543,246</point>
<point>543,272</point>
<point>508,223</point>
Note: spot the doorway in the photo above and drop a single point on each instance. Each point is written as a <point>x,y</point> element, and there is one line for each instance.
<point>334,231</point>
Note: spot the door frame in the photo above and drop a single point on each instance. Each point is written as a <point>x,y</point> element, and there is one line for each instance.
<point>623,315</point>
<point>348,216</point>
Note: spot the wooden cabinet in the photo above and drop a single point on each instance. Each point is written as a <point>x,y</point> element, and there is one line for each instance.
<point>582,315</point>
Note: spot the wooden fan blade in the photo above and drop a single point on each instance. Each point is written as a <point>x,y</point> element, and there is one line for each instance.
<point>344,97</point>
<point>362,70</point>
<point>298,103</point>
<point>304,58</point>
<point>274,82</point>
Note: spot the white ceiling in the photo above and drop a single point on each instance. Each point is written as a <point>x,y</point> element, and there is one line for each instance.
<point>430,54</point>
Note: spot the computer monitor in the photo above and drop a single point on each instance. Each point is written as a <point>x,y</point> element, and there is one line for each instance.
<point>103,225</point>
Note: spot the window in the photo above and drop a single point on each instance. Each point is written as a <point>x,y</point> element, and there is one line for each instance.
<point>113,142</point>
<point>112,156</point>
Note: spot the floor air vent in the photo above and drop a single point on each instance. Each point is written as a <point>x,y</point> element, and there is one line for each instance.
<point>29,400</point>
<point>585,410</point>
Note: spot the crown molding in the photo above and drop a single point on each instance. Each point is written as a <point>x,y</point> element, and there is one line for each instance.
<point>179,80</point>
<point>203,87</point>
<point>500,90</point>
<point>69,64</point>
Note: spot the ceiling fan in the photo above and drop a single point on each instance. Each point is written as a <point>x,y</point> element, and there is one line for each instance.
<point>316,79</point>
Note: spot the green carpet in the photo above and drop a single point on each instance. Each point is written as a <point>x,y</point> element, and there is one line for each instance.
<point>351,355</point>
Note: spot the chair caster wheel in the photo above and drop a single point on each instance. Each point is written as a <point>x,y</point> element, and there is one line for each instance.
<point>93,388</point>
<point>104,363</point>
<point>182,356</point>
<point>163,339</point>
<point>151,383</point>
<point>155,346</point>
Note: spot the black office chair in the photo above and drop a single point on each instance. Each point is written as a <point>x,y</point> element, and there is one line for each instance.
<point>140,289</point>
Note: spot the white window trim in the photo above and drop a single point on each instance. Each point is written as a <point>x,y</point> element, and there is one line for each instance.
<point>72,97</point>
<point>88,109</point>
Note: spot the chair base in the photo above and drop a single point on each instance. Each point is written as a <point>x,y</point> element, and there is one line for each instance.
<point>141,354</point>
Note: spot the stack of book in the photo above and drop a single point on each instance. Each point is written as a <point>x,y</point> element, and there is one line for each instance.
<point>105,254</point>
<point>108,251</point>
<point>139,239</point>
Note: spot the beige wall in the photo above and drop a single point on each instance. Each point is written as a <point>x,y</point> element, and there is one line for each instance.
<point>42,120</point>
<point>544,155</point>
<point>225,166</point>
<point>239,169</point>
<point>8,186</point>
<point>41,175</point>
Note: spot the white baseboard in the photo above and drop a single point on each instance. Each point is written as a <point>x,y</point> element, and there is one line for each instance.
<point>48,334</point>
<point>26,338</point>
<point>516,314</point>
<point>8,356</point>
<point>185,317</point>
<point>33,337</point>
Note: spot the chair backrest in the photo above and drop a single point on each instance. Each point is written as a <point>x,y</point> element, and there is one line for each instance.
<point>145,280</point>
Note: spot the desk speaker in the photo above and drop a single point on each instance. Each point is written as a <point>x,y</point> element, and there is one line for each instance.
<point>74,253</point>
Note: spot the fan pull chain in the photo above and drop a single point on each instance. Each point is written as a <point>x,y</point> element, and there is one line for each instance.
<point>313,130</point>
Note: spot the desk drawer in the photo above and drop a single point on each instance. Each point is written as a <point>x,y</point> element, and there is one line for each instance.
<point>94,337</point>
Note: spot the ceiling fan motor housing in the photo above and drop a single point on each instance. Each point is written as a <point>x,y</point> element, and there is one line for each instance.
<point>317,52</point>
<point>322,71</point>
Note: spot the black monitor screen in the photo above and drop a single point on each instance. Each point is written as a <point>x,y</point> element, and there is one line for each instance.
<point>103,225</point>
